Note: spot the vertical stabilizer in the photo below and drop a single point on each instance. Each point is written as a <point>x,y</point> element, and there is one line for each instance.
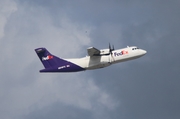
<point>53,63</point>
<point>47,59</point>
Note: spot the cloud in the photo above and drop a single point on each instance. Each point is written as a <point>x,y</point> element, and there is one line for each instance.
<point>23,89</point>
<point>6,9</point>
<point>138,89</point>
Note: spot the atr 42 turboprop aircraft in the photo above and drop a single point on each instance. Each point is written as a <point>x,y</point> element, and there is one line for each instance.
<point>95,59</point>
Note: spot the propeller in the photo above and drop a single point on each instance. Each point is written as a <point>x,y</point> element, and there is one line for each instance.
<point>110,50</point>
<point>113,48</point>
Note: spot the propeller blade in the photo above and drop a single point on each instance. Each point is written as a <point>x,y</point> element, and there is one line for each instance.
<point>110,51</point>
<point>109,47</point>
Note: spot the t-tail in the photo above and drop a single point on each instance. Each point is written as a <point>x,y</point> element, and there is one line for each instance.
<point>53,63</point>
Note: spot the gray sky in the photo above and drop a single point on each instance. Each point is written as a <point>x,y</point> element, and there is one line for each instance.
<point>146,88</point>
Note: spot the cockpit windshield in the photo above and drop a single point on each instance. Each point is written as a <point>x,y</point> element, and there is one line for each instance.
<point>135,48</point>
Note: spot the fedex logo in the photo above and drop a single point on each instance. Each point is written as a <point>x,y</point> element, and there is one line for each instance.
<point>47,58</point>
<point>123,52</point>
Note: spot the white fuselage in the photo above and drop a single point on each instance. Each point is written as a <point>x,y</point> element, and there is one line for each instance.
<point>120,55</point>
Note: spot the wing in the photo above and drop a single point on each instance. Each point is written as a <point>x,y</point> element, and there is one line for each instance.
<point>93,51</point>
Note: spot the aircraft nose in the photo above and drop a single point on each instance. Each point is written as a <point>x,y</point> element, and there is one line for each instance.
<point>144,52</point>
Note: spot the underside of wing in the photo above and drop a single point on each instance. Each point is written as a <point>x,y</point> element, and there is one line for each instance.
<point>93,51</point>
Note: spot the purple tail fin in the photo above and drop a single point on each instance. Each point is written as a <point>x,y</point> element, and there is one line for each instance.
<point>55,64</point>
<point>47,59</point>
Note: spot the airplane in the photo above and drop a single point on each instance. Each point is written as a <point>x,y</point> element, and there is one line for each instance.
<point>96,59</point>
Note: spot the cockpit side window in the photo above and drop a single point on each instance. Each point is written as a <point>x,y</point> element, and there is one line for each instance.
<point>135,48</point>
